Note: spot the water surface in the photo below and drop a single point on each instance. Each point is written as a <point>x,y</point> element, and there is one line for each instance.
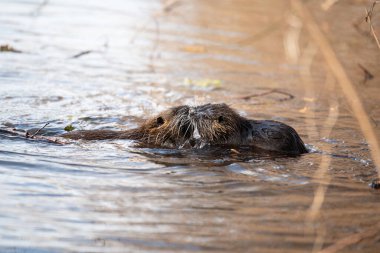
<point>112,64</point>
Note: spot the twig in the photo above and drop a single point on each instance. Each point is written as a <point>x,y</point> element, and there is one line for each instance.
<point>39,8</point>
<point>7,48</point>
<point>328,3</point>
<point>374,121</point>
<point>155,46</point>
<point>368,19</point>
<point>290,96</point>
<point>169,5</point>
<point>9,131</point>
<point>81,54</point>
<point>367,75</point>
<point>352,239</point>
<point>27,134</point>
<point>50,139</point>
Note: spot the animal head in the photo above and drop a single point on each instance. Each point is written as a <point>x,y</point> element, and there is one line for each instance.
<point>171,127</point>
<point>215,123</point>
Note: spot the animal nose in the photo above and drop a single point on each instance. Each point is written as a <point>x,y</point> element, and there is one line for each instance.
<point>191,112</point>
<point>195,143</point>
<point>196,134</point>
<point>192,142</point>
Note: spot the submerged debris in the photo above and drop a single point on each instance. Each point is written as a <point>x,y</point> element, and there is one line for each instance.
<point>284,96</point>
<point>39,8</point>
<point>69,128</point>
<point>7,48</point>
<point>367,75</point>
<point>375,184</point>
<point>204,83</point>
<point>81,54</point>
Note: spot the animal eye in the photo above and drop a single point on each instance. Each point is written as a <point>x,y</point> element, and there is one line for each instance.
<point>160,121</point>
<point>220,119</point>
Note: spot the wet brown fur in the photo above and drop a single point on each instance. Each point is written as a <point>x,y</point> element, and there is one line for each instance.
<point>169,128</point>
<point>219,124</point>
<point>209,124</point>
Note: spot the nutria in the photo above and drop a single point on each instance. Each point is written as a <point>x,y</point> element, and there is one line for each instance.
<point>170,128</point>
<point>209,124</point>
<point>218,124</point>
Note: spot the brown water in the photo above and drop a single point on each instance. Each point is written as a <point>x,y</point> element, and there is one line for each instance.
<point>138,58</point>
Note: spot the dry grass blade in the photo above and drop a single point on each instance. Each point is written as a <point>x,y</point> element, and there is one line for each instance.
<point>343,80</point>
<point>328,3</point>
<point>352,239</point>
<point>368,19</point>
<point>169,5</point>
<point>350,93</point>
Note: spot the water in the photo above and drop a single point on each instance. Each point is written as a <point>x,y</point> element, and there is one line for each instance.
<point>145,56</point>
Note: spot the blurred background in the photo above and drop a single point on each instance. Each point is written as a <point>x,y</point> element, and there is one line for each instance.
<point>112,64</point>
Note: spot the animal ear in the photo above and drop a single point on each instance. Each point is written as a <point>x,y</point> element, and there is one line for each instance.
<point>220,119</point>
<point>160,121</point>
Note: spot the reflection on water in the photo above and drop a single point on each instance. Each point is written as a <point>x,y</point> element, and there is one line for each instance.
<point>131,58</point>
